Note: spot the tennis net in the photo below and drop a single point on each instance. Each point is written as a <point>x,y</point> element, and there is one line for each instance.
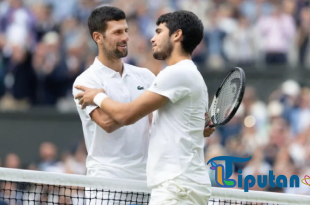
<point>24,187</point>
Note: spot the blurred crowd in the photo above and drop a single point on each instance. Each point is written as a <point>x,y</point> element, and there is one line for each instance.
<point>45,44</point>
<point>49,159</point>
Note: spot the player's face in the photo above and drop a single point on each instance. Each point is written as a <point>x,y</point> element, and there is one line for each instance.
<point>161,43</point>
<point>115,39</point>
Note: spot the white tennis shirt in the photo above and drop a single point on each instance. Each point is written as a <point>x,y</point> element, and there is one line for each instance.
<point>177,141</point>
<point>123,153</point>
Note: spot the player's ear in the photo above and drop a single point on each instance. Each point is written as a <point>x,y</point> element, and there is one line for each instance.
<point>98,37</point>
<point>178,35</point>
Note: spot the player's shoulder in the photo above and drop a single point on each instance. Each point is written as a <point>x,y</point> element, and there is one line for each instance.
<point>186,66</point>
<point>139,71</point>
<point>184,69</point>
<point>88,75</point>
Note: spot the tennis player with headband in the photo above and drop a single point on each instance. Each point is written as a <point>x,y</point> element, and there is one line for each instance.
<point>176,169</point>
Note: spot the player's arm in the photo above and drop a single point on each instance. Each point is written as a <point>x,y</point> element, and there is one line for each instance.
<point>107,123</point>
<point>129,113</point>
<point>104,120</point>
<point>123,113</point>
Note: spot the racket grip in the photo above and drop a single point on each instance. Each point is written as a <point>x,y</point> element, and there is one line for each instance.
<point>207,122</point>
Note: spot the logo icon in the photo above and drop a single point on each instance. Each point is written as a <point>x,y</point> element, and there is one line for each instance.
<point>140,88</point>
<point>219,176</point>
<point>222,175</point>
<point>304,180</point>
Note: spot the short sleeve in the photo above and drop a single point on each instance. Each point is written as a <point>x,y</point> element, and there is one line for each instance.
<point>79,81</point>
<point>151,78</point>
<point>172,83</point>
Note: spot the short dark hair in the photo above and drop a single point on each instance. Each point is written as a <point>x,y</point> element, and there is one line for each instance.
<point>190,25</point>
<point>97,21</point>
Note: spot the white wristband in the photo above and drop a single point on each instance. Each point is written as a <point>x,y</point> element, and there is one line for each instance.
<point>99,98</point>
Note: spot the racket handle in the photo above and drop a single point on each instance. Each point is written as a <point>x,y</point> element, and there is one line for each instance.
<point>207,123</point>
<point>208,120</point>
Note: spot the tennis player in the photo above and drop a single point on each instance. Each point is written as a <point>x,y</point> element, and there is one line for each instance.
<point>114,150</point>
<point>176,169</point>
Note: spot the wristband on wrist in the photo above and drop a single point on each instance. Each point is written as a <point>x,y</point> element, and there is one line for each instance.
<point>99,98</point>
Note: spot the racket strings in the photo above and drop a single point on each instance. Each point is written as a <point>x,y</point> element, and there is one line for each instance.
<point>228,96</point>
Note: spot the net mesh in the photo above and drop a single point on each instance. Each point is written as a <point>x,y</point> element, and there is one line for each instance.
<point>36,188</point>
<point>20,193</point>
<point>227,97</point>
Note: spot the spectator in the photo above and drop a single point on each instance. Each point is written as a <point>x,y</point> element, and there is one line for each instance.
<point>51,69</point>
<point>17,26</point>
<point>84,8</point>
<point>253,107</point>
<point>44,20</point>
<point>3,203</point>
<point>62,10</point>
<point>12,161</point>
<point>233,128</point>
<point>303,35</point>
<point>277,30</point>
<point>242,38</point>
<point>254,9</point>
<point>74,162</point>
<point>48,158</point>
<point>300,116</point>
<point>2,73</point>
<point>213,39</point>
<point>257,164</point>
<point>23,80</point>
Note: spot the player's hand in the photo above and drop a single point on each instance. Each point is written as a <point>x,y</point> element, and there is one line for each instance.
<point>87,97</point>
<point>207,132</point>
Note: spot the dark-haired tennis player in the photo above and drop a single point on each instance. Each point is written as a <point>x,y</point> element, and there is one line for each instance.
<point>176,169</point>
<point>114,150</point>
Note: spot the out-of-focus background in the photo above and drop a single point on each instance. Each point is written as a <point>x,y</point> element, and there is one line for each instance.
<point>45,45</point>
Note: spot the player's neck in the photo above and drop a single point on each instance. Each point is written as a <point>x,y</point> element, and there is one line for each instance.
<point>176,57</point>
<point>114,64</point>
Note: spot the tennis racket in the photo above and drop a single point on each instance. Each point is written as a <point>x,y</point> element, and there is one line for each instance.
<point>227,99</point>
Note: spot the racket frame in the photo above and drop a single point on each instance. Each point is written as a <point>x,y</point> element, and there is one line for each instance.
<point>212,111</point>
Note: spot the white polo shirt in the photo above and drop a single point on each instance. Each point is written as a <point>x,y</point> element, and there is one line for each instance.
<point>123,153</point>
<point>177,141</point>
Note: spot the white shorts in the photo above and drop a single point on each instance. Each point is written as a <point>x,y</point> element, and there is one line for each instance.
<point>180,191</point>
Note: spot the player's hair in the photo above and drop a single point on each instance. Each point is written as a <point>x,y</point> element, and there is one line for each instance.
<point>190,25</point>
<point>97,21</point>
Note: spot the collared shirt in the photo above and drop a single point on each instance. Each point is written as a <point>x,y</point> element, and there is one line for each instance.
<point>123,153</point>
<point>177,141</point>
